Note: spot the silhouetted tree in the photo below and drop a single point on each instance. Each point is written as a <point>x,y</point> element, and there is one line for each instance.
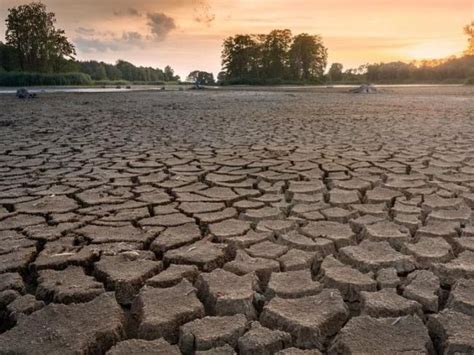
<point>308,57</point>
<point>169,74</point>
<point>274,50</point>
<point>31,31</point>
<point>335,72</point>
<point>241,56</point>
<point>9,60</point>
<point>201,77</point>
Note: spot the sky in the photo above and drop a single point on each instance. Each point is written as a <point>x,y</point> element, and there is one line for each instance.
<point>188,34</point>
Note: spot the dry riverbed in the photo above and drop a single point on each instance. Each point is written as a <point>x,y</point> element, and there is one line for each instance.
<point>289,221</point>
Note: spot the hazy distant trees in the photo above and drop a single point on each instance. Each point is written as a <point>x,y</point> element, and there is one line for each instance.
<point>469,31</point>
<point>448,70</point>
<point>201,77</point>
<point>335,72</point>
<point>39,45</point>
<point>274,56</point>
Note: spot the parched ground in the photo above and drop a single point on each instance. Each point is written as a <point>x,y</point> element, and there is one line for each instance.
<point>238,221</point>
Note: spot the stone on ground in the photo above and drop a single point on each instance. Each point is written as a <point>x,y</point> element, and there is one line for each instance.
<point>453,332</point>
<point>263,341</point>
<point>161,311</point>
<point>387,303</point>
<point>126,274</point>
<point>224,293</point>
<point>311,320</point>
<point>71,285</point>
<point>75,329</point>
<point>211,332</point>
<point>144,347</point>
<point>461,298</point>
<point>367,335</point>
<point>292,284</point>
<point>424,288</point>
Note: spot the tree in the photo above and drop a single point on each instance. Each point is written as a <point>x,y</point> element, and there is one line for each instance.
<point>221,77</point>
<point>275,47</point>
<point>335,72</point>
<point>169,74</point>
<point>9,60</point>
<point>308,57</point>
<point>469,31</point>
<point>241,57</point>
<point>201,77</point>
<point>31,31</point>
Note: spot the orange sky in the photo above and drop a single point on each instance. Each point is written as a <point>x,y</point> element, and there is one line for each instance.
<point>188,34</point>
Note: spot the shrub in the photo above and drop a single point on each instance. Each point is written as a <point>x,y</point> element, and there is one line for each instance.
<point>39,79</point>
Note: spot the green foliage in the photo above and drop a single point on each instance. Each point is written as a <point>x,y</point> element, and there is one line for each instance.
<point>277,56</point>
<point>470,81</point>
<point>39,45</point>
<point>42,79</point>
<point>201,77</point>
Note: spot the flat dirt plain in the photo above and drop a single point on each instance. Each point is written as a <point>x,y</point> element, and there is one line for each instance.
<point>238,221</point>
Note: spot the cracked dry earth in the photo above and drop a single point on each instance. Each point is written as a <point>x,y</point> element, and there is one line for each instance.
<point>249,222</point>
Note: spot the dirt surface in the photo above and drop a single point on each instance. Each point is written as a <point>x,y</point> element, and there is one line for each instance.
<point>244,221</point>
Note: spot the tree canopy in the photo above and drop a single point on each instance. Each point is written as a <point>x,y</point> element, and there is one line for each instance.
<point>201,77</point>
<point>277,55</point>
<point>39,45</point>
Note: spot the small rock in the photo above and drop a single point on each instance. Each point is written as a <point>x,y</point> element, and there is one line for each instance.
<point>161,311</point>
<point>310,320</point>
<point>211,332</point>
<point>69,286</point>
<point>423,287</point>
<point>453,332</point>
<point>387,303</point>
<point>144,347</point>
<point>68,329</point>
<point>224,293</point>
<point>263,341</point>
<point>292,284</point>
<point>367,335</point>
<point>173,276</point>
<point>461,298</point>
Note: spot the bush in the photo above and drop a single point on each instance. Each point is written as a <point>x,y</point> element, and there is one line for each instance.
<point>39,79</point>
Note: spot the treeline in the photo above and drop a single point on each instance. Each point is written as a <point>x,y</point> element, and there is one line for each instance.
<point>450,70</point>
<point>273,58</point>
<point>96,71</point>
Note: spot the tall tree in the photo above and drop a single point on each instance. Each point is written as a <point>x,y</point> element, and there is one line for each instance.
<point>469,31</point>
<point>241,56</point>
<point>40,46</point>
<point>275,47</point>
<point>308,57</point>
<point>201,77</point>
<point>9,57</point>
<point>335,72</point>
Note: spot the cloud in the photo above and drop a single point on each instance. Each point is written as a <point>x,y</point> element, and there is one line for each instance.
<point>110,42</point>
<point>160,25</point>
<point>85,31</point>
<point>131,12</point>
